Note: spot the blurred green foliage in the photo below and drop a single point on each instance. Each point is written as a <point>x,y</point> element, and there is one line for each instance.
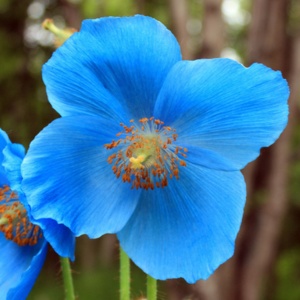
<point>288,275</point>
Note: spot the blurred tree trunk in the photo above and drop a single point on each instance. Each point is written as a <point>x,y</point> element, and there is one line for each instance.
<point>141,6</point>
<point>179,17</point>
<point>213,32</point>
<point>71,13</point>
<point>267,35</point>
<point>268,45</point>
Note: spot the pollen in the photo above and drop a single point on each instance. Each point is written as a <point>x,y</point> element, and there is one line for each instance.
<point>14,222</point>
<point>145,154</point>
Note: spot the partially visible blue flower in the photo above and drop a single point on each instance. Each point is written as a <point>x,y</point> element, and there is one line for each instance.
<point>169,186</point>
<point>23,244</point>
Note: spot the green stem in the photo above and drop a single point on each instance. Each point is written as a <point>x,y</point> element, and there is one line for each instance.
<point>151,288</point>
<point>67,278</point>
<point>124,276</point>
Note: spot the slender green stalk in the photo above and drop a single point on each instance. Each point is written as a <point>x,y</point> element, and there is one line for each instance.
<point>124,276</point>
<point>67,278</point>
<point>151,288</point>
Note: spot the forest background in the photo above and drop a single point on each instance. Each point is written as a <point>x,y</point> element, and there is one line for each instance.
<point>266,264</point>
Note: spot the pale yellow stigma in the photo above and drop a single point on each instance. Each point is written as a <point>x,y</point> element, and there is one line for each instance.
<point>136,163</point>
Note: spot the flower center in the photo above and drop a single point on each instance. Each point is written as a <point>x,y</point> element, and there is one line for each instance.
<point>146,155</point>
<point>14,222</point>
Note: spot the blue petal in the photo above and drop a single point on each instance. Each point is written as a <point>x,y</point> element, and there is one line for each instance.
<point>112,66</point>
<point>188,228</point>
<point>67,177</point>
<point>223,109</point>
<point>19,268</point>
<point>13,157</point>
<point>4,140</point>
<point>59,237</point>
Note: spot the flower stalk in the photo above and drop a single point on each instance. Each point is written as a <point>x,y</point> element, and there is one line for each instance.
<point>124,276</point>
<point>151,288</point>
<point>67,278</point>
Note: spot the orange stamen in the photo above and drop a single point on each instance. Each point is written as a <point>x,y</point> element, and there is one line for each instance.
<point>146,156</point>
<point>14,222</point>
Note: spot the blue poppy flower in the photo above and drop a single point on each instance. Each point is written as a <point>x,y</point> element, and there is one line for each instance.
<point>23,244</point>
<point>150,146</point>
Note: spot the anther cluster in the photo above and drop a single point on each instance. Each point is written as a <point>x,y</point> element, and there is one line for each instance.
<point>14,222</point>
<point>146,156</point>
